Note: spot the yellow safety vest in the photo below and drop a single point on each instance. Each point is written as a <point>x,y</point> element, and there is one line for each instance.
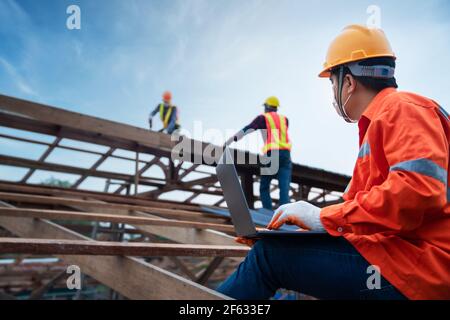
<point>277,135</point>
<point>165,119</point>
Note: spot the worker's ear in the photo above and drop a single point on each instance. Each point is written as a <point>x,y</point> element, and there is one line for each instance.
<point>351,83</point>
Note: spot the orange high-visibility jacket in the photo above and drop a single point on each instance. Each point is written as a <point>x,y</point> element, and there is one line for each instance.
<point>396,211</point>
<point>277,132</point>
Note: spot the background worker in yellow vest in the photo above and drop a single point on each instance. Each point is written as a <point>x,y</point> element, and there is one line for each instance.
<point>277,147</point>
<point>168,114</point>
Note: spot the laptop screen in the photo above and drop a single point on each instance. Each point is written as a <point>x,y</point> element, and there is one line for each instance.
<point>234,195</point>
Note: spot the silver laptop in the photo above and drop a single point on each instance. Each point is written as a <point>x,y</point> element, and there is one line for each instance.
<point>237,204</point>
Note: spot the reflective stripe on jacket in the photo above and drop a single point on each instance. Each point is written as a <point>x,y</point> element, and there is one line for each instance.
<point>396,211</point>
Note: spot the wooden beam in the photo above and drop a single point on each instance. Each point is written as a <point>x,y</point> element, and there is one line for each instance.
<point>188,200</point>
<point>38,293</point>
<point>181,235</point>
<point>112,207</point>
<point>173,187</point>
<point>187,186</point>
<point>71,215</point>
<point>96,126</point>
<point>131,277</point>
<point>44,156</point>
<point>94,167</point>
<point>84,229</point>
<point>55,191</point>
<point>41,118</point>
<point>141,171</point>
<point>26,163</point>
<point>28,124</point>
<point>183,268</point>
<point>97,153</point>
<point>136,174</point>
<point>218,203</point>
<point>204,277</point>
<point>200,181</point>
<point>188,171</point>
<point>75,120</point>
<point>103,248</point>
<point>54,167</point>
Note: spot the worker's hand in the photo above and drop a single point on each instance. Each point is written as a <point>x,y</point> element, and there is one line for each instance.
<point>301,214</point>
<point>246,241</point>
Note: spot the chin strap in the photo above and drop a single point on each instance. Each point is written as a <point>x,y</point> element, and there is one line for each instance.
<point>339,102</point>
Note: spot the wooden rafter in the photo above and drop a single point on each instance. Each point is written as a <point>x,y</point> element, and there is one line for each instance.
<point>187,171</point>
<point>42,158</point>
<point>130,277</point>
<point>185,226</point>
<point>112,207</point>
<point>27,163</point>
<point>140,172</point>
<point>102,248</point>
<point>203,278</point>
<point>180,235</point>
<point>113,199</point>
<point>94,167</point>
<point>78,216</point>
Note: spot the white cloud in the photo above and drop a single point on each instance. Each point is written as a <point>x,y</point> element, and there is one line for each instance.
<point>10,11</point>
<point>18,80</point>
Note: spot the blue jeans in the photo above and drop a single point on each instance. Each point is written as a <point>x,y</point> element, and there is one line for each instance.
<point>284,179</point>
<point>325,268</point>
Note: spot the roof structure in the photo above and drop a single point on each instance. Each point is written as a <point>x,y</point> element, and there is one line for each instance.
<point>155,228</point>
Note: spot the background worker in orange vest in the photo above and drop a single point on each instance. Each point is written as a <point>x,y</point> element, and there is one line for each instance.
<point>277,147</point>
<point>391,236</point>
<point>168,114</point>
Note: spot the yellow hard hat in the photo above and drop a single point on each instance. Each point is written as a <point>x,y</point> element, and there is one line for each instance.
<point>355,43</point>
<point>273,102</point>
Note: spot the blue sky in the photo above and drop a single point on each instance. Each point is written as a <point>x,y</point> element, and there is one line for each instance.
<point>220,58</point>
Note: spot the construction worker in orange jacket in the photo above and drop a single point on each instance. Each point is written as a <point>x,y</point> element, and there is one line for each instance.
<point>168,114</point>
<point>277,147</point>
<point>395,217</point>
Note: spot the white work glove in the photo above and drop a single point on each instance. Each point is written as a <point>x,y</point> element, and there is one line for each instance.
<point>301,214</point>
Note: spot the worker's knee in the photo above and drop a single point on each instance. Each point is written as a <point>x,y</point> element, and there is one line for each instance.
<point>257,251</point>
<point>258,246</point>
<point>255,260</point>
<point>263,249</point>
<point>264,260</point>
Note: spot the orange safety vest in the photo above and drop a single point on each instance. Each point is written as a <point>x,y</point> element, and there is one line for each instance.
<point>277,133</point>
<point>397,211</point>
<point>166,118</point>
